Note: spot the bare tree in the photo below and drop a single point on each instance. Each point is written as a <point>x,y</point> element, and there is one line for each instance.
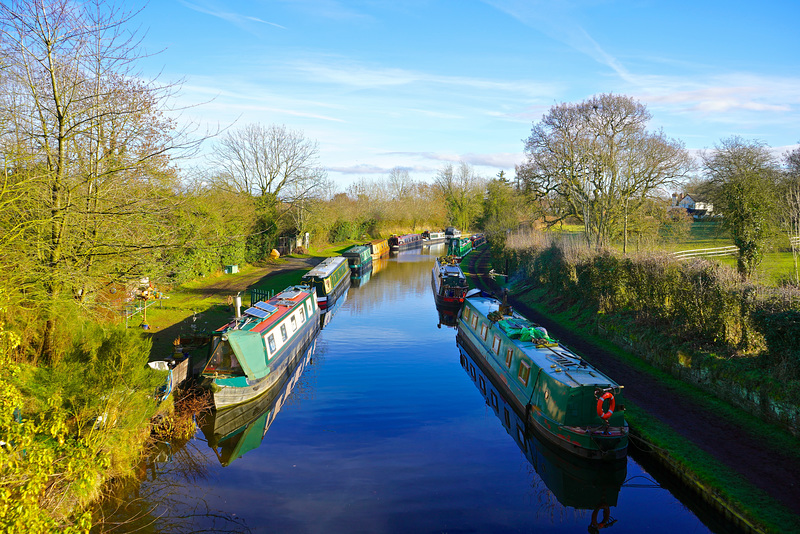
<point>598,156</point>
<point>89,138</point>
<point>463,192</point>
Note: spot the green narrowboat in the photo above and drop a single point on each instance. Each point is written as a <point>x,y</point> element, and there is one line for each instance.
<point>331,278</point>
<point>359,259</point>
<point>248,356</point>
<point>459,247</point>
<point>567,401</point>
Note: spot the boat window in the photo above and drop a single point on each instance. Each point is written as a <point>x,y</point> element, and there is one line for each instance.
<point>509,356</point>
<point>496,345</point>
<point>294,324</point>
<point>271,343</point>
<point>482,384</point>
<point>327,285</point>
<point>493,400</point>
<point>223,361</point>
<point>466,314</point>
<point>508,418</point>
<point>484,330</point>
<point>524,372</point>
<point>283,332</point>
<point>302,315</point>
<point>474,320</point>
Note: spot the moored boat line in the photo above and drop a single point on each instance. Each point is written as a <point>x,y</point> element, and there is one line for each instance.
<point>331,278</point>
<point>248,355</point>
<point>569,402</point>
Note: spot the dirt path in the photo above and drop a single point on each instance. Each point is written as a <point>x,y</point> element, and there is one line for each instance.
<point>232,284</point>
<point>756,459</point>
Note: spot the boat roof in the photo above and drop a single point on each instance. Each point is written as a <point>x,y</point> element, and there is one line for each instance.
<point>355,250</point>
<point>554,358</point>
<point>263,315</point>
<point>326,267</point>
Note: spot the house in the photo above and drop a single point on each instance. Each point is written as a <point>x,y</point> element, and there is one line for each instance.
<point>693,205</point>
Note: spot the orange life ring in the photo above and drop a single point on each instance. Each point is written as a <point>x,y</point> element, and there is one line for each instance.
<point>606,415</point>
<point>604,522</point>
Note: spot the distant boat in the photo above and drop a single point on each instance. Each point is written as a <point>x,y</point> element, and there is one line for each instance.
<point>449,283</point>
<point>451,232</point>
<point>378,248</point>
<point>566,400</point>
<point>398,243</point>
<point>432,238</point>
<point>477,240</point>
<point>248,355</point>
<point>575,482</point>
<point>330,278</point>
<point>359,260</point>
<point>233,432</point>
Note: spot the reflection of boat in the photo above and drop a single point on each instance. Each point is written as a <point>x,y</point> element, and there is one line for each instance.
<point>449,283</point>
<point>575,482</point>
<point>399,243</point>
<point>432,238</point>
<point>447,317</point>
<point>330,278</point>
<point>379,265</point>
<point>358,281</point>
<point>359,260</point>
<point>378,248</point>
<point>326,318</point>
<point>233,432</point>
<point>249,354</point>
<point>570,403</point>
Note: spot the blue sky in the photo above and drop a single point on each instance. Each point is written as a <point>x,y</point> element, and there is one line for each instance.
<point>417,84</point>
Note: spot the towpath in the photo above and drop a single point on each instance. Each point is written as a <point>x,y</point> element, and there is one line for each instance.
<point>753,457</point>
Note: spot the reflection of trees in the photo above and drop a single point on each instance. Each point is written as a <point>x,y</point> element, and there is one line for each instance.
<point>165,496</point>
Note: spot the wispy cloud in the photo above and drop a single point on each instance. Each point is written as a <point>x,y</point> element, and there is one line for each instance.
<point>209,8</point>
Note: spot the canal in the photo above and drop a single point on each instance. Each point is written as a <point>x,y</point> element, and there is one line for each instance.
<point>384,427</point>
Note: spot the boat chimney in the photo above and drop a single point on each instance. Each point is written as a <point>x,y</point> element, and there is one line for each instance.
<point>237,305</point>
<point>505,309</point>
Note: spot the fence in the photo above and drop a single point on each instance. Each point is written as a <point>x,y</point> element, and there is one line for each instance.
<point>718,251</point>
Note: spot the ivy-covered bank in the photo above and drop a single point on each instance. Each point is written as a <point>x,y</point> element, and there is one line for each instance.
<point>694,319</point>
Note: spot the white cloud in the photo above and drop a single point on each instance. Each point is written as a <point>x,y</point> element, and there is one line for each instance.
<point>210,8</point>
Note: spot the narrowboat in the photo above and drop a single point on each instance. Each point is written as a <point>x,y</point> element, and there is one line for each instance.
<point>449,283</point>
<point>330,278</point>
<point>451,233</point>
<point>232,433</point>
<point>248,355</point>
<point>567,401</point>
<point>477,240</point>
<point>359,259</point>
<point>432,238</point>
<point>459,247</point>
<point>399,243</point>
<point>378,248</point>
<point>575,482</point>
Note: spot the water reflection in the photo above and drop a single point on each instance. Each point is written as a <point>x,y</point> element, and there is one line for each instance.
<point>575,483</point>
<point>235,431</point>
<point>326,318</point>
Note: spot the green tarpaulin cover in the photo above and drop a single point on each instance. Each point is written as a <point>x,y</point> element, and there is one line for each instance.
<point>524,333</point>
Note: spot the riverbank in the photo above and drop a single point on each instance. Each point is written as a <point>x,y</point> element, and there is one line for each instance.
<point>735,462</point>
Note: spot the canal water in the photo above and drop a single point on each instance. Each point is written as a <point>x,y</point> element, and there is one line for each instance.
<point>384,427</point>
